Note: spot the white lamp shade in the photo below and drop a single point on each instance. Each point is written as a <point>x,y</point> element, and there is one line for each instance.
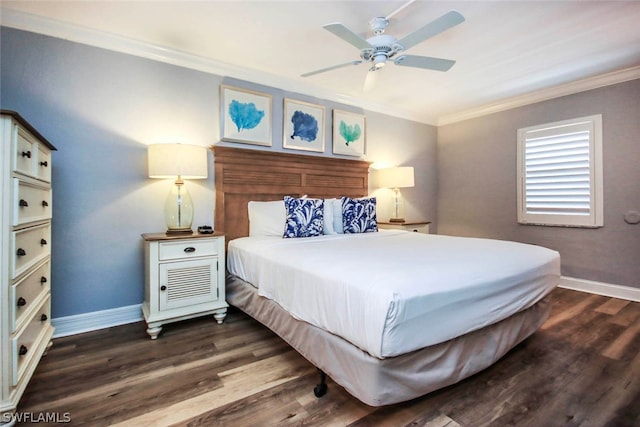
<point>398,177</point>
<point>171,160</point>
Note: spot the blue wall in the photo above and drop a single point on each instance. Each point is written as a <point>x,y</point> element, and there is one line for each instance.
<point>100,109</point>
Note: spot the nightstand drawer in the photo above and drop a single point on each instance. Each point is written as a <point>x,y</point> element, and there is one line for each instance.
<point>191,249</point>
<point>418,229</point>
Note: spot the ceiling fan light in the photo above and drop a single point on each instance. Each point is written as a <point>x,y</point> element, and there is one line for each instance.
<point>379,61</point>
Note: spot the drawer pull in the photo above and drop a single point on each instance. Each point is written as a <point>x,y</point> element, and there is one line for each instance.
<point>26,154</point>
<point>163,288</point>
<point>43,280</point>
<point>43,242</point>
<point>23,350</point>
<point>44,164</point>
<point>21,252</point>
<point>45,204</point>
<point>21,302</point>
<point>189,249</point>
<point>23,203</point>
<point>43,318</point>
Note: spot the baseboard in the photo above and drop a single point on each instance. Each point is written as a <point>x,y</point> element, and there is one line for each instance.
<point>87,322</point>
<point>599,288</point>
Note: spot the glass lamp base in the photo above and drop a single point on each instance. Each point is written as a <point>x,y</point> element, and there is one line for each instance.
<point>178,210</point>
<point>398,207</point>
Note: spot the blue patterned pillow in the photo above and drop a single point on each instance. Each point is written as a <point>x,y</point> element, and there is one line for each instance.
<point>359,215</point>
<point>305,217</point>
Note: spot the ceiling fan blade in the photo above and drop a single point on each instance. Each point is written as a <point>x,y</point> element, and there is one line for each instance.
<point>427,62</point>
<point>370,80</point>
<point>334,67</point>
<point>446,21</point>
<point>347,35</point>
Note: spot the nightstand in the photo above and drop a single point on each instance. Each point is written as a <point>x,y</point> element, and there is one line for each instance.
<point>415,226</point>
<point>184,278</point>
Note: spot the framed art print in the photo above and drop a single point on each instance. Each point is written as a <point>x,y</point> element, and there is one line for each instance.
<point>246,116</point>
<point>303,126</point>
<point>348,133</point>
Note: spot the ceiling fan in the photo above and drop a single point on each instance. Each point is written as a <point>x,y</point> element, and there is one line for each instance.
<point>380,48</point>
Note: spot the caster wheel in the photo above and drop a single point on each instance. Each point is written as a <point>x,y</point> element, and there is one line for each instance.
<point>320,390</point>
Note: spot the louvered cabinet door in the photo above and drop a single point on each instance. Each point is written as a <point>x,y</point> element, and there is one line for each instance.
<point>188,283</point>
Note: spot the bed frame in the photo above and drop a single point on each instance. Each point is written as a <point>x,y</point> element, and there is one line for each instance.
<point>242,175</point>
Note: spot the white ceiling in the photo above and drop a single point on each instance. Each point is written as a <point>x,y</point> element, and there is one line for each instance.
<point>507,52</point>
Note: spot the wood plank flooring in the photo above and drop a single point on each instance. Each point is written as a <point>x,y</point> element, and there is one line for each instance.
<point>581,369</point>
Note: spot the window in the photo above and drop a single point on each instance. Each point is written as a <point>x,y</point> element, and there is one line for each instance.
<point>560,173</point>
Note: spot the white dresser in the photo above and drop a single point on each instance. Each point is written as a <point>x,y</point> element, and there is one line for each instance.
<point>25,260</point>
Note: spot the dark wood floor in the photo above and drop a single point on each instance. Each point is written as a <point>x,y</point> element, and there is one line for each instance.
<point>581,369</point>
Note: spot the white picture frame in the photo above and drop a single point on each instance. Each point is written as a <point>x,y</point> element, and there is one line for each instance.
<point>349,130</point>
<point>303,126</point>
<point>246,116</point>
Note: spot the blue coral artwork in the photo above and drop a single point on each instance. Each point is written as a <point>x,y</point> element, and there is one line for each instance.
<point>303,126</point>
<point>246,116</point>
<point>348,133</point>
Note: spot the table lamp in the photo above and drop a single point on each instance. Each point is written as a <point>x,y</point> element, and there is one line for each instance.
<point>179,161</point>
<point>396,178</point>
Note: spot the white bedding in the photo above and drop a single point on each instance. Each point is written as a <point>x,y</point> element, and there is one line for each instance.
<point>393,292</point>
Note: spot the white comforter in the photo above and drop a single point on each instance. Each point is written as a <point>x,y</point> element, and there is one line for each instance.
<point>393,292</point>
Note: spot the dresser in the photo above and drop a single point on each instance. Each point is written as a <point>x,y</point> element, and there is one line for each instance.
<point>25,261</point>
<point>184,278</point>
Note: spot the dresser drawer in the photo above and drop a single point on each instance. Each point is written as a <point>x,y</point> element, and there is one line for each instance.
<point>30,156</point>
<point>28,292</point>
<point>28,246</point>
<point>25,152</point>
<point>31,202</point>
<point>191,249</point>
<point>43,164</point>
<point>24,346</point>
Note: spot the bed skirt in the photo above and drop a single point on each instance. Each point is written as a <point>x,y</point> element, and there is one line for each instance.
<point>376,381</point>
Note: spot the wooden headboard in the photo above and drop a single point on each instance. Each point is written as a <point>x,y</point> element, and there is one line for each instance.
<point>243,175</point>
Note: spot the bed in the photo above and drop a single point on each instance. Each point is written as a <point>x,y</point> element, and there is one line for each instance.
<point>371,326</point>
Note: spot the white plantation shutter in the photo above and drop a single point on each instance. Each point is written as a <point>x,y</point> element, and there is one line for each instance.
<point>560,173</point>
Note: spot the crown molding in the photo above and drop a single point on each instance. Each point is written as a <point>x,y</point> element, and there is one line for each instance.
<point>544,95</point>
<point>54,28</point>
<point>58,29</point>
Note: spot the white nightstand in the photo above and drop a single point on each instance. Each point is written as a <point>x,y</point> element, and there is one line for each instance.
<point>184,278</point>
<point>415,226</point>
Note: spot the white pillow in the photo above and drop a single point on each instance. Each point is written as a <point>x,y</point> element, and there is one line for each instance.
<point>328,216</point>
<point>337,216</point>
<point>267,218</point>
